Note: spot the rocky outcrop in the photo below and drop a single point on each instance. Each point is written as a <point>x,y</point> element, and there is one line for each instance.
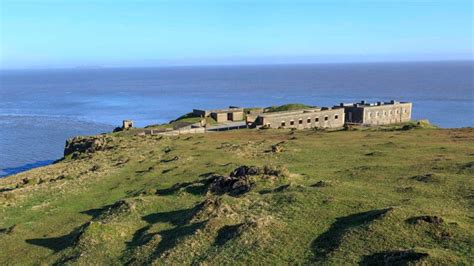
<point>232,185</point>
<point>246,171</point>
<point>82,144</point>
<point>243,178</point>
<point>239,181</point>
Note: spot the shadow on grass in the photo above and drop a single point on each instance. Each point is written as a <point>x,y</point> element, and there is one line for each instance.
<point>171,237</point>
<point>94,213</point>
<point>198,187</point>
<point>6,189</point>
<point>178,217</point>
<point>171,190</point>
<point>60,243</point>
<point>397,257</point>
<point>226,233</point>
<point>140,237</point>
<point>168,238</point>
<point>329,241</point>
<point>277,189</point>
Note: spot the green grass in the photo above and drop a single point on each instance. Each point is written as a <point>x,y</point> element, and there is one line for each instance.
<point>287,107</point>
<point>145,200</point>
<point>184,120</point>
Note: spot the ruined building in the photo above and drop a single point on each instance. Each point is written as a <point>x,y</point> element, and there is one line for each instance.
<point>126,124</point>
<point>222,115</point>
<point>380,113</point>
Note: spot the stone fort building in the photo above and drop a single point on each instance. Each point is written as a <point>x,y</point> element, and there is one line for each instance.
<point>362,113</point>
<point>380,113</point>
<point>306,118</point>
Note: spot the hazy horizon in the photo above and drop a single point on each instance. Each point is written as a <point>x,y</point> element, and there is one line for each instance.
<point>236,64</point>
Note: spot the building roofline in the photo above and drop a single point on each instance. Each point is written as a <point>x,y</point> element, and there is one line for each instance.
<point>297,112</point>
<point>364,104</point>
<point>225,110</point>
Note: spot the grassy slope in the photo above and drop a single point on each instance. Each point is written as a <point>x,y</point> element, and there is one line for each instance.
<point>287,107</point>
<point>374,181</point>
<point>186,119</point>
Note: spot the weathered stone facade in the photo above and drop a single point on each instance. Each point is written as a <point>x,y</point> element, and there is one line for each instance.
<point>222,115</point>
<point>300,119</point>
<point>380,113</point>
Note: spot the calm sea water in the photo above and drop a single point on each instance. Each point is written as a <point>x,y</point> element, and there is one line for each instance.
<point>40,109</point>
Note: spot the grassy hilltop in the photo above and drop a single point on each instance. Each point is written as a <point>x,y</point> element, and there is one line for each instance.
<point>306,197</point>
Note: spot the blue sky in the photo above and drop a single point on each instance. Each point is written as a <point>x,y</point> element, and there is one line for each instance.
<point>117,33</point>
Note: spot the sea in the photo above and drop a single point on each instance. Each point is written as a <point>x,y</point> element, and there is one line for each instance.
<point>40,109</point>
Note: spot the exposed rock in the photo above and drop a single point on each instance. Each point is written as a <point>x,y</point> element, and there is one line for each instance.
<point>242,179</point>
<point>419,124</point>
<point>175,158</point>
<point>276,171</point>
<point>7,230</point>
<point>426,178</point>
<point>467,168</point>
<point>95,167</point>
<point>85,144</point>
<point>210,207</point>
<point>404,189</point>
<point>117,209</point>
<point>277,147</point>
<point>245,171</point>
<point>57,178</point>
<point>320,183</point>
<point>374,153</point>
<point>22,182</point>
<point>231,184</point>
<point>436,220</point>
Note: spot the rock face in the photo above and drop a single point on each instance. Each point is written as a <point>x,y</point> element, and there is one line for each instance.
<point>242,179</point>
<point>85,144</point>
<point>245,170</point>
<point>239,181</point>
<point>232,185</point>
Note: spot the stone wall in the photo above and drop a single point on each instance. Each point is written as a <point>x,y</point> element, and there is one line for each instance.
<point>219,117</point>
<point>172,132</point>
<point>237,116</point>
<point>382,114</point>
<point>387,114</point>
<point>331,118</point>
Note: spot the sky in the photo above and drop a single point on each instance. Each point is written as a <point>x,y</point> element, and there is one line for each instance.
<point>118,33</point>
